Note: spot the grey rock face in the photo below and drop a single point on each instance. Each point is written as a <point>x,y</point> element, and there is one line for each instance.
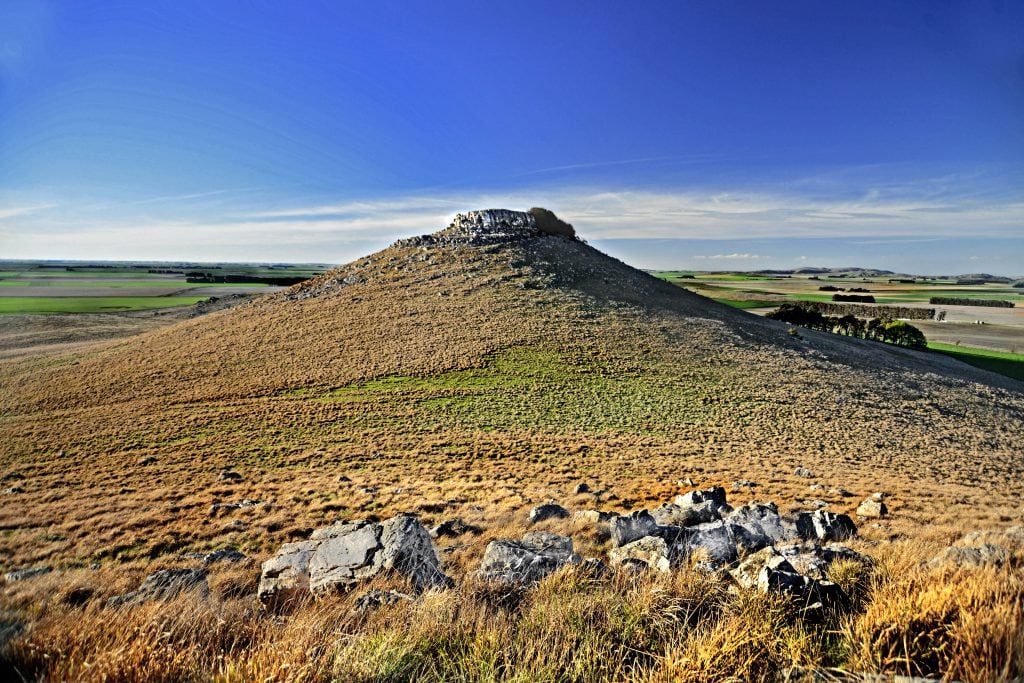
<point>547,511</point>
<point>286,575</point>
<point>749,570</point>
<point>689,515</point>
<point>758,525</point>
<point>376,598</point>
<point>538,554</point>
<point>628,528</point>
<point>825,526</point>
<point>164,585</point>
<point>27,573</point>
<point>803,472</point>
<point>358,551</point>
<point>814,560</point>
<point>712,542</point>
<point>985,554</point>
<point>453,528</point>
<point>804,588</point>
<point>222,555</point>
<point>593,517</point>
<point>478,228</point>
<point>872,509</point>
<point>341,556</point>
<point>650,552</point>
<point>715,495</point>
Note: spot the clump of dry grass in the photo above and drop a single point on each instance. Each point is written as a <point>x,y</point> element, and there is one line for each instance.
<point>963,623</point>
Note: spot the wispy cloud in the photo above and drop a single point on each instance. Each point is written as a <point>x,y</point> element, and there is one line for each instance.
<point>184,226</point>
<point>691,159</point>
<point>727,257</point>
<point>13,211</point>
<point>182,197</point>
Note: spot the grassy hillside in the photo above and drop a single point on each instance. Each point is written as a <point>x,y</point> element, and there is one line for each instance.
<point>476,381</point>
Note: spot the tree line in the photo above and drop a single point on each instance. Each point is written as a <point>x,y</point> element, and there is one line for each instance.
<point>896,332</point>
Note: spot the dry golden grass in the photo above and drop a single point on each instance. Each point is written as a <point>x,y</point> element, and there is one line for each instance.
<point>477,382</point>
<point>572,627</point>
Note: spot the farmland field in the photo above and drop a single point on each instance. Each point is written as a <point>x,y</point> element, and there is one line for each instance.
<point>972,331</point>
<point>50,306</point>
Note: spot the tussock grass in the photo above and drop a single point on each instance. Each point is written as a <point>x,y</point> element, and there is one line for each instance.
<point>459,384</point>
<point>963,624</point>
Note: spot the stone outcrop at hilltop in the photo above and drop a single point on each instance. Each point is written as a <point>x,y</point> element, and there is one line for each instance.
<point>493,226</point>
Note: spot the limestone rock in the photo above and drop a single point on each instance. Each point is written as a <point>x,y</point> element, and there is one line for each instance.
<point>749,570</point>
<point>812,559</point>
<point>825,526</point>
<point>356,551</point>
<point>628,528</point>
<point>27,573</point>
<point>453,527</point>
<point>809,591</point>
<point>547,511</point>
<point>222,555</point>
<point>538,554</point>
<point>712,542</point>
<point>758,525</point>
<point>715,495</point>
<point>377,598</point>
<point>872,508</point>
<point>688,515</point>
<point>593,517</point>
<point>164,585</point>
<point>339,557</point>
<point>651,552</point>
<point>978,556</point>
<point>286,575</point>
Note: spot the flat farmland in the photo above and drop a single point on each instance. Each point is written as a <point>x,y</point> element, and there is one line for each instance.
<point>54,306</point>
<point>969,333</point>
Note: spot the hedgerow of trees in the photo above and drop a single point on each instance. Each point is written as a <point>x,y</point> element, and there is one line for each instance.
<point>896,332</point>
<point>957,301</point>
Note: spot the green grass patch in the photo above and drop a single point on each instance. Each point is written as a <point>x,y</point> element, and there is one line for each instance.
<point>749,303</point>
<point>1002,362</point>
<point>24,305</point>
<point>534,389</point>
<point>171,285</point>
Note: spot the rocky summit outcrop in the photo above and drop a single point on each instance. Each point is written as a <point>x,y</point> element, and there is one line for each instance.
<point>494,226</point>
<point>339,557</point>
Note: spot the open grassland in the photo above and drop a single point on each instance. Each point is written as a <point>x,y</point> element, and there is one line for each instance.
<point>477,383</point>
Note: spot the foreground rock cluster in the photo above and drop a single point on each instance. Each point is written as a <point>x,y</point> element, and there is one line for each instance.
<point>755,545</point>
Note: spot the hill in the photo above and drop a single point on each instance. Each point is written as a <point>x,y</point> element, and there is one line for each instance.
<point>474,372</point>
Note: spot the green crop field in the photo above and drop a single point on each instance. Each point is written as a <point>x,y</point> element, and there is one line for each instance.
<point>171,285</point>
<point>1005,363</point>
<point>15,305</point>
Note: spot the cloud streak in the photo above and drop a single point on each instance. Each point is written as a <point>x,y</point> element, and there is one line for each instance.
<point>335,231</point>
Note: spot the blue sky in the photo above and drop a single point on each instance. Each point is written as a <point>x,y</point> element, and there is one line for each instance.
<point>673,134</point>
